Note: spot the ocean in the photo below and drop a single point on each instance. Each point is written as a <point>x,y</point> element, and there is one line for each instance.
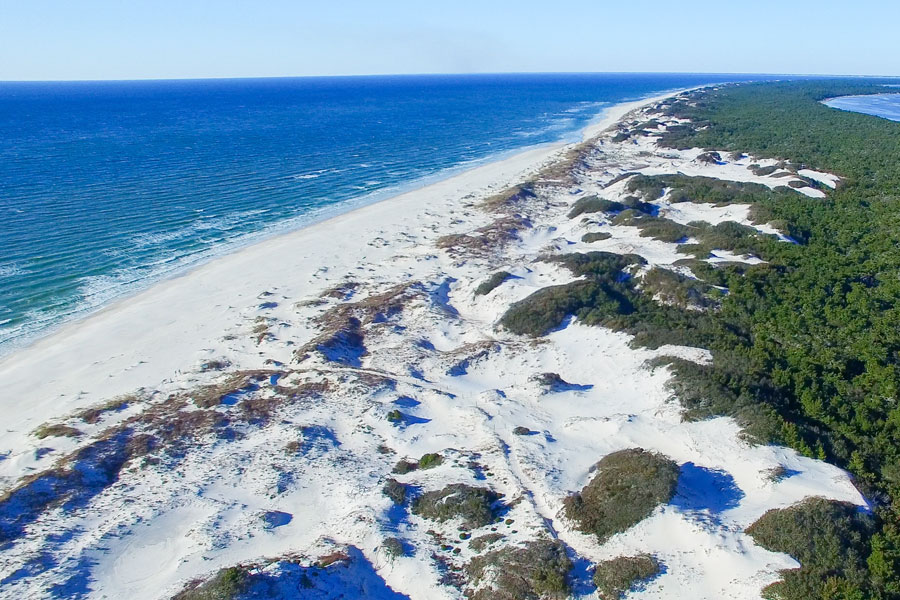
<point>107,187</point>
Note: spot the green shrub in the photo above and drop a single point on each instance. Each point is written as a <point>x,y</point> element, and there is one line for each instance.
<point>605,266</point>
<point>595,236</point>
<point>474,506</point>
<point>726,387</point>
<point>828,538</point>
<point>594,204</point>
<point>536,571</point>
<point>405,466</point>
<point>615,577</point>
<point>762,171</point>
<point>394,547</point>
<point>664,230</point>
<point>227,584</point>
<point>395,416</point>
<point>684,188</point>
<point>429,461</point>
<point>628,486</point>
<point>650,188</point>
<point>546,309</point>
<point>492,283</point>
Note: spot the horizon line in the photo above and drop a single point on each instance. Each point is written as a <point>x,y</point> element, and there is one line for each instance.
<point>440,74</point>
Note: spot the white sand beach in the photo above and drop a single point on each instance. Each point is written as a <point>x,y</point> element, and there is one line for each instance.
<point>426,346</point>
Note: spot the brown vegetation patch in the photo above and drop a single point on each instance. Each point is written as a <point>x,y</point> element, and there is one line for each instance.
<point>170,426</point>
<point>341,328</point>
<point>92,414</point>
<point>507,200</point>
<point>485,239</point>
<point>55,430</point>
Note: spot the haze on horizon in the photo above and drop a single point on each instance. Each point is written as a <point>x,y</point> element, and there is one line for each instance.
<point>110,39</point>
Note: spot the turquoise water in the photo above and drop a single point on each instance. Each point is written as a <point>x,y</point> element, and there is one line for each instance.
<point>886,106</point>
<point>108,187</point>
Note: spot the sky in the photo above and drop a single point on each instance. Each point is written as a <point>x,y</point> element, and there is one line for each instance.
<point>144,39</point>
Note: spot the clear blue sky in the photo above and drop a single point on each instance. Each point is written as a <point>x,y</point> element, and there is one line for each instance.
<point>125,39</point>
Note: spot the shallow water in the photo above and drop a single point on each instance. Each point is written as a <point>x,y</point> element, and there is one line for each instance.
<point>886,106</point>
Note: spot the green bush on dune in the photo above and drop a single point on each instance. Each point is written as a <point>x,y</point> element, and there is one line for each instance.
<point>628,486</point>
<point>492,283</point>
<point>614,578</point>
<point>828,538</point>
<point>594,204</point>
<point>227,584</point>
<point>538,570</point>
<point>473,506</point>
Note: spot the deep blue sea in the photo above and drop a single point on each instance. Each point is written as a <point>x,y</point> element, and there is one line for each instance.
<point>106,187</point>
<point>886,106</point>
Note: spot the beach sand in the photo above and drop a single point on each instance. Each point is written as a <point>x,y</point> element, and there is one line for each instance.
<point>178,323</point>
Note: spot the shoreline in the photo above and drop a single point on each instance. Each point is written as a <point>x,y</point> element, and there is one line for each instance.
<point>155,335</point>
<point>604,119</point>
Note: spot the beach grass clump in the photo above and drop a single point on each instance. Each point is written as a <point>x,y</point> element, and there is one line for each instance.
<point>509,198</point>
<point>628,486</point>
<point>538,570</point>
<point>485,239</point>
<point>828,538</point>
<point>227,584</point>
<point>473,506</point>
<point>614,578</point>
<point>492,283</point>
<point>342,328</point>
